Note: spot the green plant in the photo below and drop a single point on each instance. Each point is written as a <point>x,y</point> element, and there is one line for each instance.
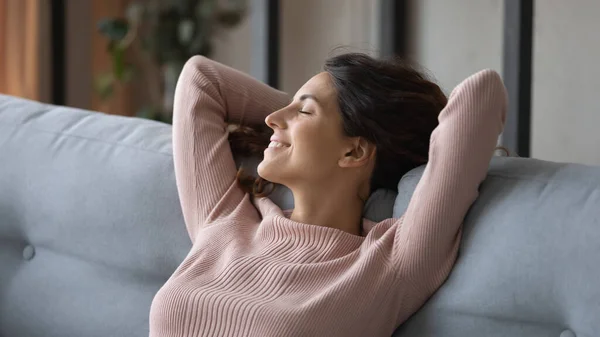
<point>161,35</point>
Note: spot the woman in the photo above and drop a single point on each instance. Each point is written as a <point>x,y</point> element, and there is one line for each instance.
<point>320,269</point>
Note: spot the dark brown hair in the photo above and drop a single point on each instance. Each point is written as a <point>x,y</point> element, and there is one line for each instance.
<point>388,102</point>
<point>249,141</point>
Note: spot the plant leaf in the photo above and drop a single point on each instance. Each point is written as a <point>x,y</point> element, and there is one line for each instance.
<point>114,29</point>
<point>118,62</point>
<point>104,85</point>
<point>128,73</point>
<point>229,18</point>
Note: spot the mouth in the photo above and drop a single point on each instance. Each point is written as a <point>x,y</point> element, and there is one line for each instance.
<point>275,145</point>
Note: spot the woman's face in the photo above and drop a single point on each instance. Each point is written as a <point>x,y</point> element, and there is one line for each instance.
<point>308,140</point>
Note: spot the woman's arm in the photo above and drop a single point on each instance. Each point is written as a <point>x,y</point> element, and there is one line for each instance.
<point>209,96</point>
<point>428,235</point>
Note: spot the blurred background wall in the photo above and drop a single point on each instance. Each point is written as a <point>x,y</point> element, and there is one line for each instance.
<point>566,81</point>
<point>452,39</point>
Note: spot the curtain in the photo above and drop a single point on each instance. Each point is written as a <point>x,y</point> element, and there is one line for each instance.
<point>24,48</point>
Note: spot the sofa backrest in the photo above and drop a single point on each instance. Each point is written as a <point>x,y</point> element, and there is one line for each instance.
<point>529,263</point>
<point>90,222</point>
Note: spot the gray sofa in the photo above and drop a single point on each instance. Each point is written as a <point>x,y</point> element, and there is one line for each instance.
<point>90,228</point>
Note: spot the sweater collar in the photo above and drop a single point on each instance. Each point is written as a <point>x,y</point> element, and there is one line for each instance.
<point>277,225</point>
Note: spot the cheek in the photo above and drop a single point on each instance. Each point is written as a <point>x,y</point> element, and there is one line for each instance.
<point>315,145</point>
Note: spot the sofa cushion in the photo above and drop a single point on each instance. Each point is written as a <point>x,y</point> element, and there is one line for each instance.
<point>529,264</point>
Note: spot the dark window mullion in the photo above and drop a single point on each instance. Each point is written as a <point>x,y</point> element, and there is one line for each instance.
<point>266,40</point>
<point>393,30</point>
<point>517,63</point>
<point>58,52</point>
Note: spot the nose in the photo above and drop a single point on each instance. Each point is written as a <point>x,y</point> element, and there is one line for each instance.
<point>276,120</point>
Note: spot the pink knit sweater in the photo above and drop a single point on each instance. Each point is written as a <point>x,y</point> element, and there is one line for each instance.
<point>254,272</point>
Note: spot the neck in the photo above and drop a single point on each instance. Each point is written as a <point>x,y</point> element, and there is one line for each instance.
<point>328,206</point>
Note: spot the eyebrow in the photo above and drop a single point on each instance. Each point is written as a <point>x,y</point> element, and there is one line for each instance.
<point>309,96</point>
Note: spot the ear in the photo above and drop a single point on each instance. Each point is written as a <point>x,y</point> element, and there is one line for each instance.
<point>358,153</point>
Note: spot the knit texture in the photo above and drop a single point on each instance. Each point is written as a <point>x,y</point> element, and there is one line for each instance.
<point>254,272</point>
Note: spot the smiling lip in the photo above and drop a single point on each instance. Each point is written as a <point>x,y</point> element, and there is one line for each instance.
<point>274,145</point>
<point>276,139</point>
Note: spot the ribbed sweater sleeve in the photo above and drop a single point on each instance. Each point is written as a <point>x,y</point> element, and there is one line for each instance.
<point>208,96</point>
<point>428,235</point>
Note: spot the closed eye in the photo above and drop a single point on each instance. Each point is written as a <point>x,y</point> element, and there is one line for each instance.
<point>304,112</point>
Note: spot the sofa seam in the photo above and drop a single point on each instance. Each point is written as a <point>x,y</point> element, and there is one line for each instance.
<point>497,176</point>
<point>19,126</point>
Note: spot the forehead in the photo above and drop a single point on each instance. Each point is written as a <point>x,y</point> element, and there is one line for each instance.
<point>320,86</point>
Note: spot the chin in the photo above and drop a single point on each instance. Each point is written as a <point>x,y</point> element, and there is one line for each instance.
<point>264,171</point>
<point>269,171</point>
